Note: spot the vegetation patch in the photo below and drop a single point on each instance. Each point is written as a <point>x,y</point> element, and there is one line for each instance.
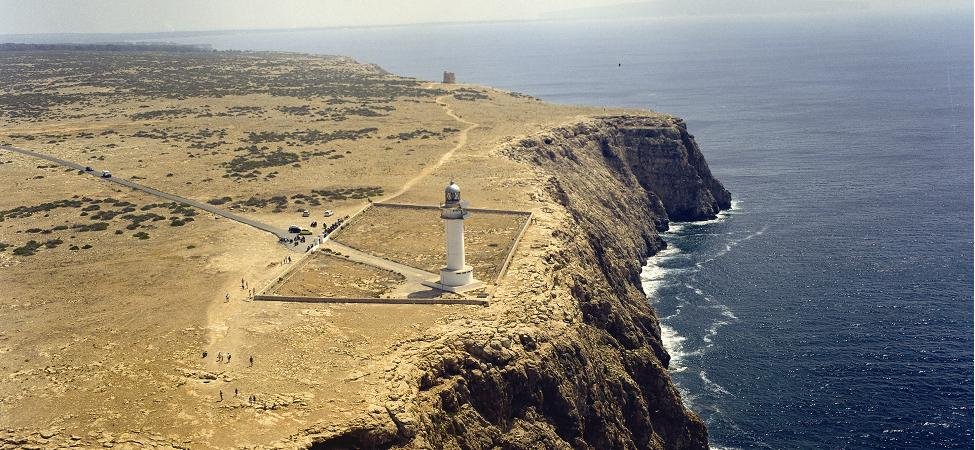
<point>315,198</point>
<point>259,158</point>
<point>162,114</point>
<point>421,134</point>
<point>309,136</point>
<point>21,212</point>
<point>28,249</point>
<point>97,226</point>
<point>219,201</point>
<point>469,94</point>
<point>349,193</point>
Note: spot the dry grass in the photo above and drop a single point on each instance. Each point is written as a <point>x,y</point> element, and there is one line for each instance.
<point>326,275</point>
<point>415,237</point>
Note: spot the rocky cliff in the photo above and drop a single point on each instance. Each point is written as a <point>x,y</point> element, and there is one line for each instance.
<point>569,355</point>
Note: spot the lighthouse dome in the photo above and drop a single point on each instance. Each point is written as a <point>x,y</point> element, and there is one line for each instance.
<point>452,192</point>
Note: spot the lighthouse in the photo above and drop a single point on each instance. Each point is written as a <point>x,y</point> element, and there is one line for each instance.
<point>456,276</point>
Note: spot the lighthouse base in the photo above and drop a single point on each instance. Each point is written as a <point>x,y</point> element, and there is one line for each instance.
<point>461,280</point>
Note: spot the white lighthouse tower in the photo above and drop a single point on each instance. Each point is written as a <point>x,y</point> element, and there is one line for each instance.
<point>456,276</point>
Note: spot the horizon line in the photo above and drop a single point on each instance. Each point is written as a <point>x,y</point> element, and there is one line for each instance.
<point>212,31</point>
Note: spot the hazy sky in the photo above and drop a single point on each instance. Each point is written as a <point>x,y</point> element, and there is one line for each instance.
<point>105,16</point>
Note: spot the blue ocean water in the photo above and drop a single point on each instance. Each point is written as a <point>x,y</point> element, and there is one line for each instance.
<point>832,308</point>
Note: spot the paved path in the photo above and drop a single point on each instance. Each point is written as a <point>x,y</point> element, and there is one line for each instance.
<point>412,286</point>
<point>411,273</point>
<point>278,232</point>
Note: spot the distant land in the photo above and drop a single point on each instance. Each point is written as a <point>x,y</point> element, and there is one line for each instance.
<point>670,8</point>
<point>108,46</point>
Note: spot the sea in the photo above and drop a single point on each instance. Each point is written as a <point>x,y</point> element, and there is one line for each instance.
<point>832,306</point>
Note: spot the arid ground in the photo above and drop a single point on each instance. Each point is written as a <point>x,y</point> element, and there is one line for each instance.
<point>114,304</point>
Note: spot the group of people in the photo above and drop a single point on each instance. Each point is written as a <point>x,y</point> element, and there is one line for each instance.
<point>220,358</point>
<point>251,292</point>
<point>226,360</point>
<point>250,399</point>
<point>334,226</point>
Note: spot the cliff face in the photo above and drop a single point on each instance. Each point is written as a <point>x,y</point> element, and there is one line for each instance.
<point>569,354</point>
<point>667,162</point>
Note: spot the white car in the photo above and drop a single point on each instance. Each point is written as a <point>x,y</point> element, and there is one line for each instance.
<point>328,213</point>
<point>106,174</point>
<point>305,213</point>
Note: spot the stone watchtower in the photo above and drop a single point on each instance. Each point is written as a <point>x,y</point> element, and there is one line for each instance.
<point>456,276</point>
<point>449,77</point>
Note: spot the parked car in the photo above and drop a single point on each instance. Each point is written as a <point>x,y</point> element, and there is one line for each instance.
<point>294,229</point>
<point>305,213</point>
<point>88,169</point>
<point>328,213</point>
<point>305,232</point>
<point>106,174</point>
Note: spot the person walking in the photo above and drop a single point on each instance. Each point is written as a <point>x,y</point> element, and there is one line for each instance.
<point>251,361</point>
<point>235,392</point>
<point>219,356</point>
<point>221,395</point>
<point>228,358</point>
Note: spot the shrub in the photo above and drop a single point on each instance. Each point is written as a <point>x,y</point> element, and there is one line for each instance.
<point>28,249</point>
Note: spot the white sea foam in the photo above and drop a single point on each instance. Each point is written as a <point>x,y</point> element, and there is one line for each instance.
<point>675,228</point>
<point>711,385</point>
<point>732,244</point>
<point>726,311</point>
<point>713,331</point>
<point>729,317</point>
<point>654,276</point>
<point>674,344</point>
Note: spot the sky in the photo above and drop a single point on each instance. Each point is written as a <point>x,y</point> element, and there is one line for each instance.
<point>138,16</point>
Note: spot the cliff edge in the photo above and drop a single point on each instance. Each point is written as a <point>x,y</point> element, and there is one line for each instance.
<point>569,355</point>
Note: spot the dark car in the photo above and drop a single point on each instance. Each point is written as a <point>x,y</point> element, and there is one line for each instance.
<point>294,229</point>
<point>88,169</point>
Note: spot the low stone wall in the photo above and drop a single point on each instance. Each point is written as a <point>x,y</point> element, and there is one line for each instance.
<point>514,248</point>
<point>377,301</point>
<point>488,210</point>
